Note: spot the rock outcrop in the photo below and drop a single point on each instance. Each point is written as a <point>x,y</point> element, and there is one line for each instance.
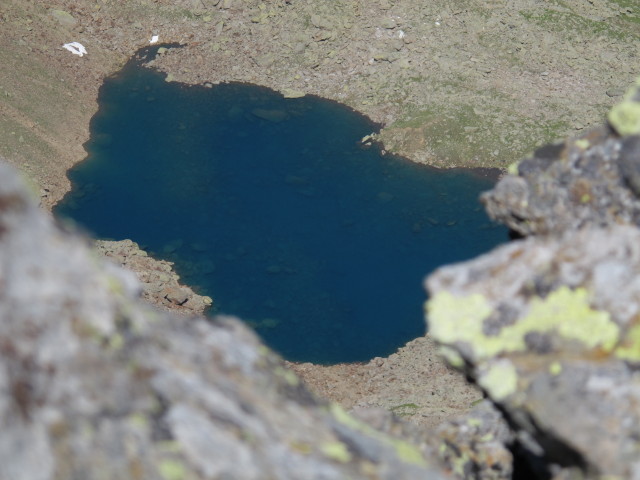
<point>549,326</point>
<point>96,384</point>
<point>591,180</point>
<point>160,284</point>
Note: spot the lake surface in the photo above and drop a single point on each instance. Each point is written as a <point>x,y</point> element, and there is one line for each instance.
<point>275,209</point>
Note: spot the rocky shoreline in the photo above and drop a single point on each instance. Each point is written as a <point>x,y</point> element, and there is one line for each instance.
<point>160,284</point>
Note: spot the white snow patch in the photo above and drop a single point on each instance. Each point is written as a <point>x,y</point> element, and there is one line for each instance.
<point>76,48</point>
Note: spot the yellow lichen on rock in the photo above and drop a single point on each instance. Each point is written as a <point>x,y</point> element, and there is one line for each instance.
<point>453,319</point>
<point>404,450</point>
<point>337,451</point>
<point>625,116</point>
<point>172,470</point>
<point>500,380</point>
<point>567,313</point>
<point>564,312</point>
<point>555,368</point>
<point>512,169</point>
<point>582,143</point>
<point>630,347</point>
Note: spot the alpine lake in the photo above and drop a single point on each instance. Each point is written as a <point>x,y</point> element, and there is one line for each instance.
<point>276,209</point>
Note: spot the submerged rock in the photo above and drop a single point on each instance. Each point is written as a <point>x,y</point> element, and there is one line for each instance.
<point>273,115</point>
<point>96,384</point>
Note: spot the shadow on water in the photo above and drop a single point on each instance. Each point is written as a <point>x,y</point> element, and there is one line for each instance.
<point>274,208</point>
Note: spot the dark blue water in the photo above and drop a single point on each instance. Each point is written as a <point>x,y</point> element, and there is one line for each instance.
<point>274,208</point>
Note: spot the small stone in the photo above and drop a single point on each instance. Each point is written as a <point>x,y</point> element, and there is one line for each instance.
<point>630,163</point>
<point>397,44</point>
<point>321,22</point>
<point>381,57</point>
<point>404,63</point>
<point>388,23</point>
<point>291,93</point>
<point>177,296</point>
<point>266,60</point>
<point>322,36</point>
<point>615,92</point>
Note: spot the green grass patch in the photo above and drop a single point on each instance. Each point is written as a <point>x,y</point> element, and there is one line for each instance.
<point>405,410</point>
<point>572,23</point>
<point>472,136</point>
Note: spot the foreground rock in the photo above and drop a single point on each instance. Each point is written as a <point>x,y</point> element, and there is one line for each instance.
<point>549,326</point>
<point>95,384</point>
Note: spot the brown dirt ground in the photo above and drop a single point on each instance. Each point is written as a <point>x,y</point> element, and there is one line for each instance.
<point>414,383</point>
